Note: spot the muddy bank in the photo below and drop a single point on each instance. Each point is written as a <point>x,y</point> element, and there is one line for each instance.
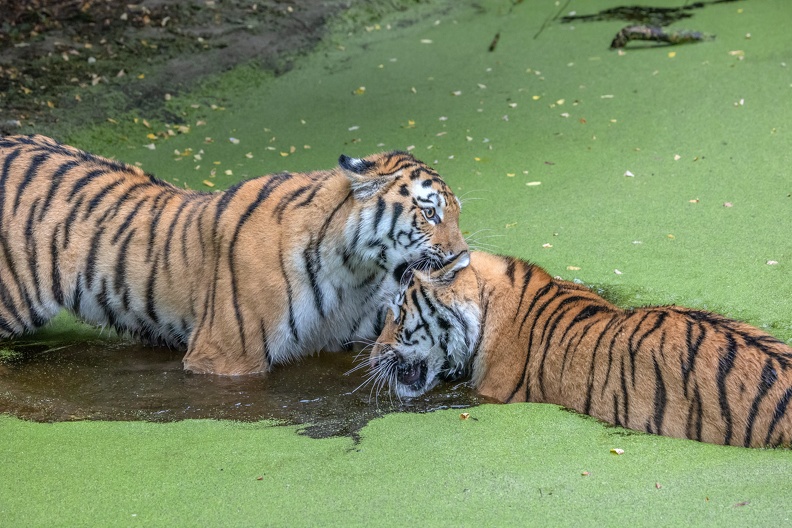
<point>68,63</point>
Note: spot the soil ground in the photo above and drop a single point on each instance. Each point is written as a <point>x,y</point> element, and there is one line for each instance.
<point>53,51</point>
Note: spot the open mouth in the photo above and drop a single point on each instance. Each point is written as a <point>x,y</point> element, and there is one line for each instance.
<point>412,375</point>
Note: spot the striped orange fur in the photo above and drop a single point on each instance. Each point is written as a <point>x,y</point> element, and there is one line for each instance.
<point>524,336</point>
<point>273,268</point>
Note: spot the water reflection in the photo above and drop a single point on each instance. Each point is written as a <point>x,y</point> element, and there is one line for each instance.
<point>127,381</point>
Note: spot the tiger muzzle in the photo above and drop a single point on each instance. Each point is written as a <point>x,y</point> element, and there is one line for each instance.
<point>412,374</point>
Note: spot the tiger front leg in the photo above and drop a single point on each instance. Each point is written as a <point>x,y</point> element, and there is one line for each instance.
<point>224,343</point>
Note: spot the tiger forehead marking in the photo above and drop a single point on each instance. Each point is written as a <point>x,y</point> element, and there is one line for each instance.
<point>665,370</point>
<point>270,269</point>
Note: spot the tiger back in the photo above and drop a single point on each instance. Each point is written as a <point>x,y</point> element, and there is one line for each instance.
<point>664,370</point>
<point>273,268</point>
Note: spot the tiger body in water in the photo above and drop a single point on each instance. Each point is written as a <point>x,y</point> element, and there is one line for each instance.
<point>268,270</point>
<point>524,336</point>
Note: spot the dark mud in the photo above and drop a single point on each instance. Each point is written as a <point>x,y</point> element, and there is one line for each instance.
<point>126,381</point>
<point>65,64</point>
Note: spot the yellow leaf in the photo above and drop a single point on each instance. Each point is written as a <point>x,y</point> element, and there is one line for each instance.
<point>208,183</point>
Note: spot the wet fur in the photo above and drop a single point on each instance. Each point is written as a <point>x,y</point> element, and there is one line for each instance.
<point>665,370</point>
<point>273,268</point>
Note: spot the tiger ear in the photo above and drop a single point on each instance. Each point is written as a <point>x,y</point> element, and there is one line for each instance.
<point>364,180</point>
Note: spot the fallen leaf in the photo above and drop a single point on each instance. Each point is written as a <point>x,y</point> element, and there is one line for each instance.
<point>617,451</point>
<point>617,272</point>
<point>585,474</point>
<point>629,174</point>
<point>573,268</point>
<point>464,416</point>
<point>208,183</point>
<point>533,183</point>
<point>772,262</point>
<point>728,204</point>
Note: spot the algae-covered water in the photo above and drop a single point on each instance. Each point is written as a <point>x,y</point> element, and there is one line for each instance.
<point>660,174</point>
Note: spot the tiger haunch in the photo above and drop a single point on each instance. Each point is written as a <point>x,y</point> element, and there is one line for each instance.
<point>273,268</point>
<point>527,337</point>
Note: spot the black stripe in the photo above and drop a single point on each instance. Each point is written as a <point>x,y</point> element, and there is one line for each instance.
<point>378,213</point>
<point>778,414</point>
<point>312,267</point>
<point>523,377</point>
<point>85,180</point>
<point>94,202</point>
<point>158,210</point>
<point>55,181</point>
<point>171,231</point>
<point>90,263</point>
<point>555,316</point>
<point>121,266</point>
<point>185,226</point>
<point>592,368</point>
<point>660,398</point>
<point>693,346</point>
<point>32,250</point>
<point>151,301</point>
<point>264,193</point>
<point>634,348</point>
<point>767,379</point>
<point>695,416</point>
<point>76,299</point>
<point>128,220</point>
<point>57,289</point>
<point>287,200</point>
<point>625,395</point>
<point>527,275</point>
<point>725,364</point>
<point>310,198</point>
<point>4,177</point>
<point>398,209</point>
<point>289,297</point>
<point>224,201</point>
<point>67,225</point>
<point>569,347</point>
<point>510,271</point>
<point>30,173</point>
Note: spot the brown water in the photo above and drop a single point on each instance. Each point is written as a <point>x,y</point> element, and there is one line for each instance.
<point>118,380</point>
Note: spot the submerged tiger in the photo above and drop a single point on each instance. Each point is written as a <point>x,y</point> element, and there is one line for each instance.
<point>524,336</point>
<point>273,268</point>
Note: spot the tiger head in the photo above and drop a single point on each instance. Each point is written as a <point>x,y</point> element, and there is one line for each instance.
<point>408,218</point>
<point>431,331</point>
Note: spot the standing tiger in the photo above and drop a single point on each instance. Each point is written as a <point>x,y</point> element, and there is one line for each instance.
<point>273,268</point>
<point>525,336</point>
